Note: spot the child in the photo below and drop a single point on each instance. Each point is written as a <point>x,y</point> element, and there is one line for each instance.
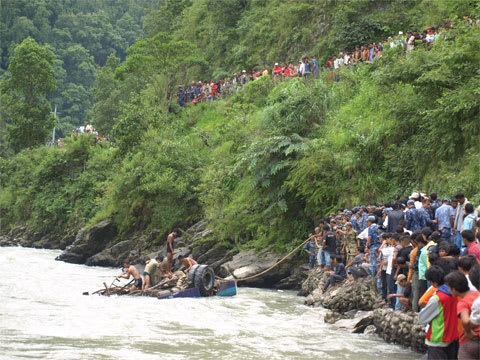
<point>440,314</point>
<point>469,338</point>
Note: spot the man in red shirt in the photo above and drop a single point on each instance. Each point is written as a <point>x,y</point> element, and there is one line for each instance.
<point>468,238</point>
<point>470,336</point>
<point>277,70</point>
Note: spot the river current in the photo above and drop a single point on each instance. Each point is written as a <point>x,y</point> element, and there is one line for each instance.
<point>43,315</point>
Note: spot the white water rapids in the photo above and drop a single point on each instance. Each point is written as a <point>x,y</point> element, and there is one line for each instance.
<point>43,315</point>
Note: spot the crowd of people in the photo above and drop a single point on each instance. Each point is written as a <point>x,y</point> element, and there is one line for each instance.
<point>308,66</point>
<point>423,254</point>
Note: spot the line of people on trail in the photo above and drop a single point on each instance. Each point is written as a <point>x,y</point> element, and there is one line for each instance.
<point>151,266</point>
<point>421,252</point>
<point>308,66</point>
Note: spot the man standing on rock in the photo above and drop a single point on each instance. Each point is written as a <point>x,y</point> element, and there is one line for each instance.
<point>373,243</point>
<point>130,270</point>
<point>170,250</point>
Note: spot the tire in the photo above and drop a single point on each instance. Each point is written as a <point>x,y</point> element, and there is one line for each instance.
<point>204,279</point>
<point>191,274</point>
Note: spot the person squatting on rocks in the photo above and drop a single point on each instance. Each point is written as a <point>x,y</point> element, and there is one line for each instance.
<point>339,273</point>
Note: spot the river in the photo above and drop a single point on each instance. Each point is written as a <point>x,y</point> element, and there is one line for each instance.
<point>45,316</point>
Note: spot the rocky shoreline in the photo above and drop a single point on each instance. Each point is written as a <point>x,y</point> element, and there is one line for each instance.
<point>347,300</point>
<point>102,245</point>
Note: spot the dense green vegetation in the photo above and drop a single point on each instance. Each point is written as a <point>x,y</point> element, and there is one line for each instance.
<point>263,165</point>
<point>82,34</point>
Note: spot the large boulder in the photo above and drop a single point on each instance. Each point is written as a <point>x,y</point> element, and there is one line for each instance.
<point>400,328</point>
<point>341,297</point>
<point>89,242</point>
<point>248,263</point>
<point>359,295</point>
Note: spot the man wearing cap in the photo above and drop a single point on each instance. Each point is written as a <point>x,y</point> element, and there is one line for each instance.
<point>277,70</point>
<point>401,284</point>
<point>350,241</point>
<point>424,216</point>
<point>411,218</point>
<point>444,220</point>
<point>373,243</point>
<point>181,96</point>
<point>416,198</point>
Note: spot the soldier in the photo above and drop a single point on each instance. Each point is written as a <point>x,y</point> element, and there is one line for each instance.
<point>350,242</point>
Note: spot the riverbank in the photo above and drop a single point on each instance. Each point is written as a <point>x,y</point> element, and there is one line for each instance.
<point>102,245</point>
<point>347,299</point>
<point>255,324</point>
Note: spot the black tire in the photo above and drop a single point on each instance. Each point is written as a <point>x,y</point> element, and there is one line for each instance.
<point>191,274</point>
<point>204,279</point>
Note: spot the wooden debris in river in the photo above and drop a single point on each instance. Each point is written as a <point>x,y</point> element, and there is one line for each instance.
<point>177,282</point>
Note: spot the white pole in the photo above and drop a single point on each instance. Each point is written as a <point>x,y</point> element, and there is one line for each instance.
<point>55,114</point>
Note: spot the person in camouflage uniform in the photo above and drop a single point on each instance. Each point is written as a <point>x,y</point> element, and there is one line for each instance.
<point>350,241</point>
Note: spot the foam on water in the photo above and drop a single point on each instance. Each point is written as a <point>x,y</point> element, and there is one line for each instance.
<point>44,315</point>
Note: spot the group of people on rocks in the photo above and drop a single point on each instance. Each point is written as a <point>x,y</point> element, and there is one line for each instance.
<point>423,253</point>
<point>151,265</point>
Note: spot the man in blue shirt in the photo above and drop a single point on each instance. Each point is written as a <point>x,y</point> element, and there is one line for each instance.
<point>411,218</point>
<point>363,220</point>
<point>373,243</point>
<point>314,68</point>
<point>424,217</point>
<point>444,218</point>
<point>310,247</point>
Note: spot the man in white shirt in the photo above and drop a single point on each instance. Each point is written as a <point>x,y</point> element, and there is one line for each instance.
<point>338,62</point>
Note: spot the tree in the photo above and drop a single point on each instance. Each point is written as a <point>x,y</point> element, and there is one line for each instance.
<point>31,77</point>
<point>160,59</point>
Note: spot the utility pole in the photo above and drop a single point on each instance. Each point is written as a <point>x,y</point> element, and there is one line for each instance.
<point>53,132</point>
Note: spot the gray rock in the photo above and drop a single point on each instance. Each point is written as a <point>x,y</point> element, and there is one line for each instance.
<point>370,330</point>
<point>89,242</point>
<point>362,325</point>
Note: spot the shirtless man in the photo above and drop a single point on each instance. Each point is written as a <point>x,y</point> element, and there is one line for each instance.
<point>150,267</point>
<point>130,270</point>
<point>187,262</point>
<point>170,250</point>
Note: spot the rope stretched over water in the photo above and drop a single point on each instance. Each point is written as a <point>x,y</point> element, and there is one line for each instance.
<point>267,270</point>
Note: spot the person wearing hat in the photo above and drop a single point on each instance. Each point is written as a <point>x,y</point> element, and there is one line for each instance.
<point>277,70</point>
<point>373,243</point>
<point>401,285</point>
<point>181,96</point>
<point>444,220</point>
<point>411,219</point>
<point>416,197</point>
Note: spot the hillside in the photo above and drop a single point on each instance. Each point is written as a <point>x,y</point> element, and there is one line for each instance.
<point>265,164</point>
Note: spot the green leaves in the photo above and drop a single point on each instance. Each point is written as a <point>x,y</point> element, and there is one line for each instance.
<point>30,78</point>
